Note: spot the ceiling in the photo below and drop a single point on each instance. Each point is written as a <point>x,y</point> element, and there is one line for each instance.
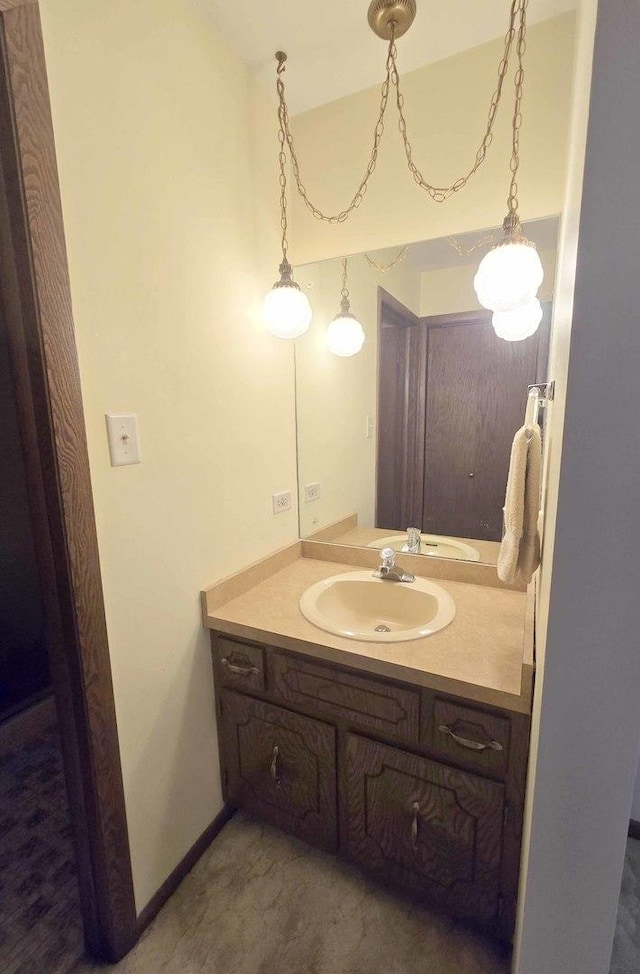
<point>332,52</point>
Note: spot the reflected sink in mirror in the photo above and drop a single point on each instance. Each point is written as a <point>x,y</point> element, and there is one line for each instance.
<point>358,606</point>
<point>432,545</point>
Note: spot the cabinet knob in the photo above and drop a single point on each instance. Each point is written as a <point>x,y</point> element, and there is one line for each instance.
<point>471,474</point>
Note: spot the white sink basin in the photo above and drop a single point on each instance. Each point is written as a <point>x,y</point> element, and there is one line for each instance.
<point>356,604</point>
<point>434,545</point>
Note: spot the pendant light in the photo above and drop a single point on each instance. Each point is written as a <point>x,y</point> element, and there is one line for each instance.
<point>345,334</point>
<point>509,276</point>
<point>286,310</point>
<point>519,323</point>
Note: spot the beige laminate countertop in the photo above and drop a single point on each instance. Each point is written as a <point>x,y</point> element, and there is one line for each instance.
<point>483,655</point>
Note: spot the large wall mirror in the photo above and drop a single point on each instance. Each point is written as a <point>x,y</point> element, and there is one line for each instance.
<point>414,431</point>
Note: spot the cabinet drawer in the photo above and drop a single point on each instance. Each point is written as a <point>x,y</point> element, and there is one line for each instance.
<point>464,733</point>
<point>425,826</point>
<point>238,665</point>
<point>362,700</point>
<point>281,766</point>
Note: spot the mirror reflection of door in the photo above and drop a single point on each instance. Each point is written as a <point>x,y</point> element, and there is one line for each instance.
<point>451,395</point>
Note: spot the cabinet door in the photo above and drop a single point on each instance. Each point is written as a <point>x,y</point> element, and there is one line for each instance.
<point>281,766</point>
<point>425,826</point>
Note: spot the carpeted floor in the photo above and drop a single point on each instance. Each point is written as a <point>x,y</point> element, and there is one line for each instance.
<point>261,902</point>
<point>40,923</point>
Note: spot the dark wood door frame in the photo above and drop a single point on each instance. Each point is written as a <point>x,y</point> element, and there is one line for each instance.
<point>401,507</point>
<point>36,304</point>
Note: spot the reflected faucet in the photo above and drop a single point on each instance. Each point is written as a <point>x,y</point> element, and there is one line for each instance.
<point>388,571</point>
<point>413,544</point>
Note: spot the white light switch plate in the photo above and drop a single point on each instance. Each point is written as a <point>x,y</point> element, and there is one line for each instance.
<point>368,427</point>
<point>124,442</point>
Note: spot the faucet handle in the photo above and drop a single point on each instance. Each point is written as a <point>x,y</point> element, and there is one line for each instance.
<point>388,557</point>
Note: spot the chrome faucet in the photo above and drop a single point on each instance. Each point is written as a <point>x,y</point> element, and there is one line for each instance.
<point>413,544</point>
<point>388,571</point>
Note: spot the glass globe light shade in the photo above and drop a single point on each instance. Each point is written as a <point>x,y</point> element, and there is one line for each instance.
<point>286,311</point>
<point>509,275</point>
<point>345,335</point>
<point>521,323</point>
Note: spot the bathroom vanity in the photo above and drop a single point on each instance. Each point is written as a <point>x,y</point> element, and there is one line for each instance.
<point>409,759</point>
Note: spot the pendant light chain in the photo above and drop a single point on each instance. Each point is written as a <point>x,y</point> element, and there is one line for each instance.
<point>437,193</point>
<point>282,159</point>
<point>441,193</point>
<point>383,268</point>
<point>286,134</point>
<point>521,47</point>
<point>344,304</point>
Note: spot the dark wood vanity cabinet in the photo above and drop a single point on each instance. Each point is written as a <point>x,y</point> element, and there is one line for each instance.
<point>282,766</point>
<point>422,789</point>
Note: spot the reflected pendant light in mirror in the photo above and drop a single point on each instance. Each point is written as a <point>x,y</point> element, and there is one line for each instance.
<point>519,323</point>
<point>345,334</point>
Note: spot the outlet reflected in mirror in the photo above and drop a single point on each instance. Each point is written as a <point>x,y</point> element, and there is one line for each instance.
<point>415,431</point>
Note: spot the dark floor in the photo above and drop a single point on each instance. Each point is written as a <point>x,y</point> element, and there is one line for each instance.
<point>40,925</point>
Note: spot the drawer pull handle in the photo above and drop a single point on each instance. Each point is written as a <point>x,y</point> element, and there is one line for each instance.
<point>465,742</point>
<point>414,825</point>
<point>239,670</point>
<point>273,770</point>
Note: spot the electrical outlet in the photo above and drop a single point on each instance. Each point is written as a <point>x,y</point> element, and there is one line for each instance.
<point>311,492</point>
<point>281,502</point>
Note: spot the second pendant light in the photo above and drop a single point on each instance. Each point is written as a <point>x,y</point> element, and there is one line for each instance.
<point>345,334</point>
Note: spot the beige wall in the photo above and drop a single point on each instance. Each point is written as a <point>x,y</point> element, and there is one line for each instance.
<point>450,289</point>
<point>446,108</point>
<point>152,114</point>
<point>335,395</point>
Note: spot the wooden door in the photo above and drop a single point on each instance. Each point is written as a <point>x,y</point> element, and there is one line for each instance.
<point>401,392</point>
<point>428,827</point>
<point>281,766</point>
<point>475,402</point>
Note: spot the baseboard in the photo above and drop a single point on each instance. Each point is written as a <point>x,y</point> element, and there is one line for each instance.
<point>634,829</point>
<point>183,868</point>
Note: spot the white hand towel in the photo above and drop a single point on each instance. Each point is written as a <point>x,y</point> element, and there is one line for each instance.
<point>520,548</point>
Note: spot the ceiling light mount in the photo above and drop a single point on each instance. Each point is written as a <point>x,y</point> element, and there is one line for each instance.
<point>387,17</point>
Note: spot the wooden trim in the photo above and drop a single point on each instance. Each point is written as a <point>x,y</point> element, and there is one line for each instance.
<point>395,307</point>
<point>456,318</point>
<point>37,305</point>
<point>634,829</point>
<point>184,867</point>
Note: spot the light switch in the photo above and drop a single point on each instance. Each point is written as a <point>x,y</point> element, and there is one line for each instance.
<point>124,443</point>
<point>368,428</point>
